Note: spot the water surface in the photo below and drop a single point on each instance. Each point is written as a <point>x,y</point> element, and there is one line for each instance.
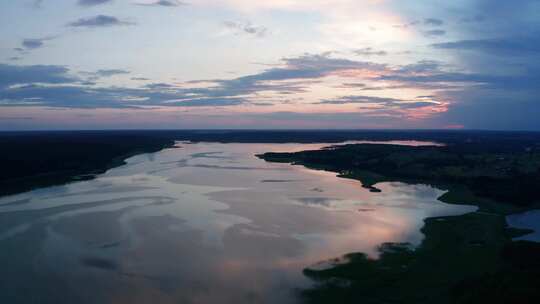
<point>201,223</point>
<point>527,220</point>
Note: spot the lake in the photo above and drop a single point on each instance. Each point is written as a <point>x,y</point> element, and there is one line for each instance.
<point>199,223</point>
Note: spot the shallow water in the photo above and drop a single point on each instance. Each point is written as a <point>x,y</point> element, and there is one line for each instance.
<point>201,223</point>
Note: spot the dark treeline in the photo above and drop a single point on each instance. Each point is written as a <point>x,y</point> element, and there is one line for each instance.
<point>30,160</point>
<point>44,158</point>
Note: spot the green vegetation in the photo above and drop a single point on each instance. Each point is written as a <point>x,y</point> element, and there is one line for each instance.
<point>463,259</point>
<point>484,175</point>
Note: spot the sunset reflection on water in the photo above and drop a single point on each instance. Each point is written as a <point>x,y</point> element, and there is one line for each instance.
<point>209,223</point>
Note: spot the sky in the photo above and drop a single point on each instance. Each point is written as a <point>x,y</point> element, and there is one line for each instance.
<point>273,64</point>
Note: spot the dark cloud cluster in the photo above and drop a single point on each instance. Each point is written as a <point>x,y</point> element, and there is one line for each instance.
<point>32,43</point>
<point>52,74</point>
<point>293,76</point>
<point>35,83</point>
<point>99,21</point>
<point>507,46</point>
<point>378,102</point>
<point>54,86</point>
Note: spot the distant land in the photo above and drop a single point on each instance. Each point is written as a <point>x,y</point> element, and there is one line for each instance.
<point>45,158</point>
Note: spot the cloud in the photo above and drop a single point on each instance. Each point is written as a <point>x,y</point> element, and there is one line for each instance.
<point>294,75</point>
<point>422,66</point>
<point>34,83</point>
<point>111,72</point>
<point>433,33</point>
<point>360,99</point>
<point>291,77</point>
<point>81,96</point>
<point>246,28</point>
<point>52,74</point>
<point>368,51</point>
<point>160,85</point>
<point>56,88</point>
<point>317,65</point>
<point>513,46</point>
<point>433,22</point>
<point>99,21</point>
<point>206,102</point>
<point>69,96</point>
<point>53,86</point>
<point>104,73</point>
<point>353,85</point>
<point>442,77</point>
<point>374,102</point>
<point>166,3</point>
<point>93,2</point>
<point>32,43</point>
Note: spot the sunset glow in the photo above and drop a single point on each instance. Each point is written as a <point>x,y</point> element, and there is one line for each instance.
<point>127,64</point>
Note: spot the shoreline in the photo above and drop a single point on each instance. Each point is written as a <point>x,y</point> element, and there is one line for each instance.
<point>462,259</point>
<point>85,168</point>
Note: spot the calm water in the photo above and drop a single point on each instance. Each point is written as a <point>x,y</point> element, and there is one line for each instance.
<point>202,223</point>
